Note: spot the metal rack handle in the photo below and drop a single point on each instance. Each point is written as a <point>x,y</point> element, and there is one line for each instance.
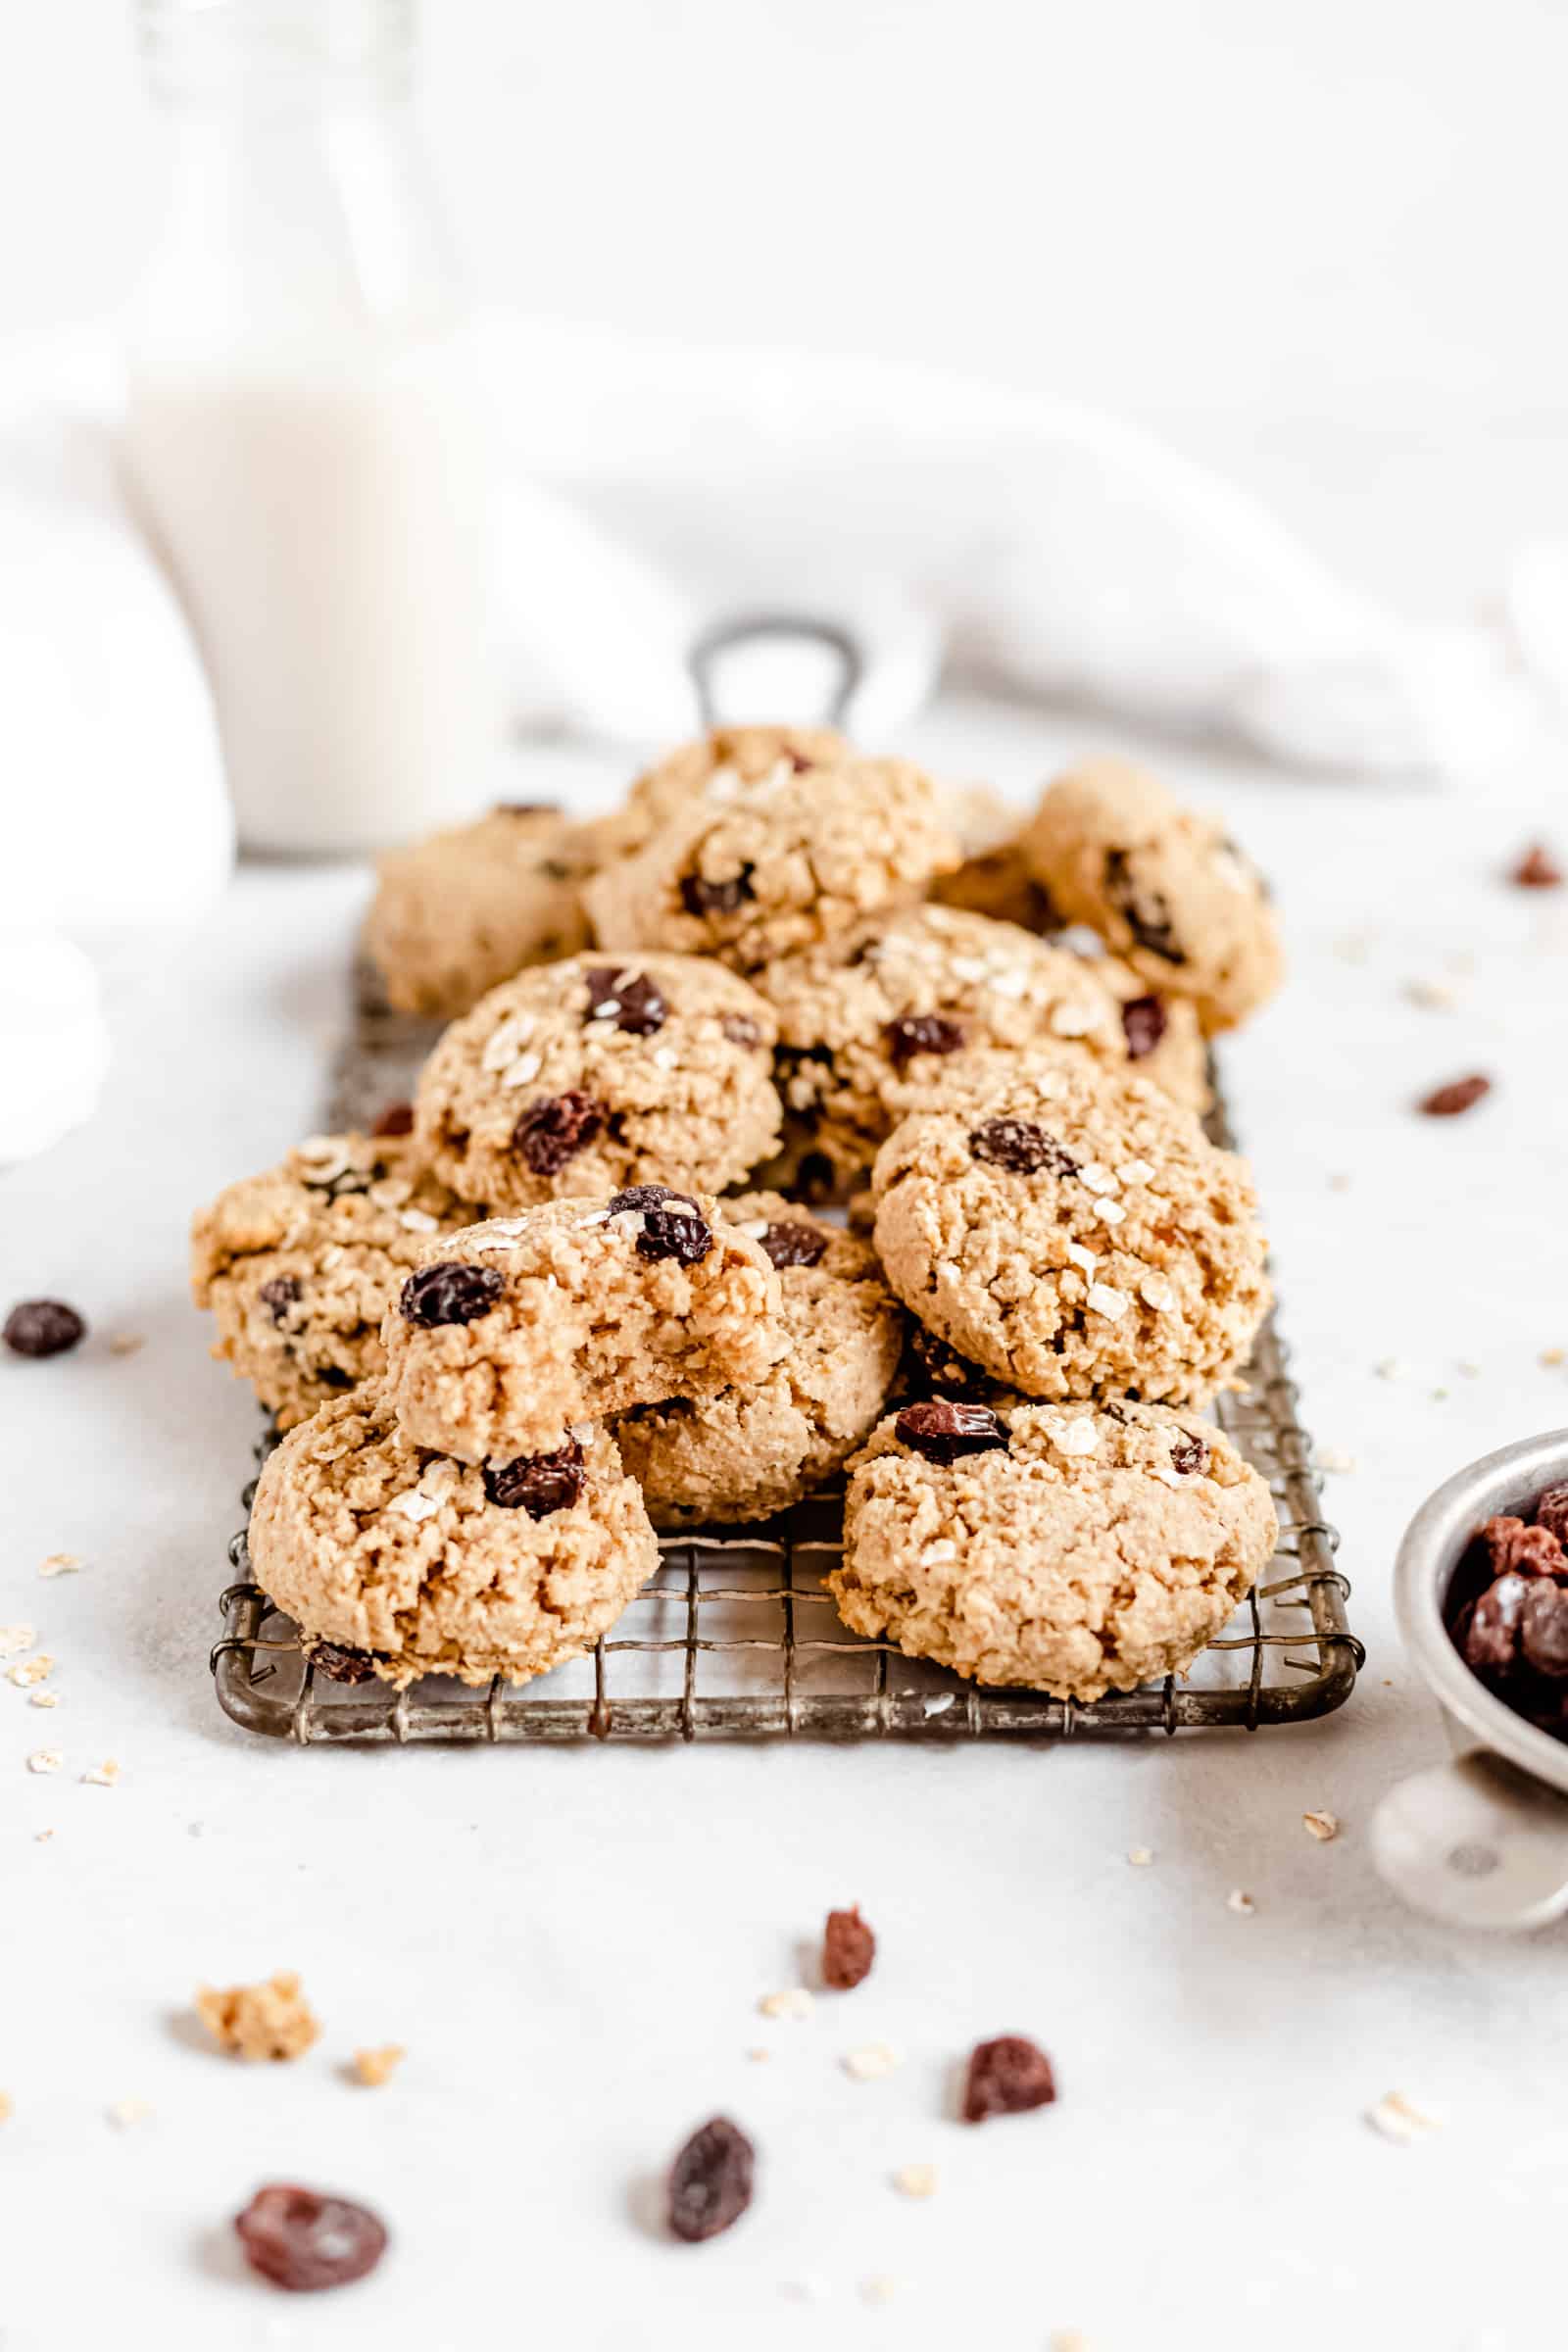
<point>753,628</point>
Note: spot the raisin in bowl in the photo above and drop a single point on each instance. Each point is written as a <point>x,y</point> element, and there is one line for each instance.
<point>1482,1596</point>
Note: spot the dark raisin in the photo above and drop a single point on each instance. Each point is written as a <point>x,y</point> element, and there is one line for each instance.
<point>396,1119</point>
<point>333,1376</point>
<point>306,2241</point>
<point>1552,1512</point>
<point>944,1428</point>
<point>449,1292</point>
<point>630,999</point>
<point>1146,913</point>
<point>1513,1549</point>
<point>43,1327</point>
<point>795,1243</point>
<point>1006,2076</point>
<point>816,1178</point>
<point>1536,869</point>
<point>699,896</point>
<point>1022,1147</point>
<point>674,1233</point>
<point>921,1033</point>
<point>1142,1024</point>
<point>279,1294</point>
<point>1460,1094</point>
<point>848,1948</point>
<point>1189,1455</point>
<point>340,1664</point>
<point>555,1130</point>
<point>941,1367</point>
<point>711,2181</point>
<point>538,1482</point>
<point>740,1031</point>
<point>1491,1639</point>
<point>1544,1628</point>
<point>527,808</point>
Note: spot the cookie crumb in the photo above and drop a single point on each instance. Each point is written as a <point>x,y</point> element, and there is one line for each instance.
<point>272,2020</point>
<point>7,2107</point>
<point>45,1759</point>
<point>14,1638</point>
<point>103,1776</point>
<point>915,2180</point>
<point>1140,1857</point>
<point>760,2054</point>
<point>60,1563</point>
<point>1552,1358</point>
<point>1068,2340</point>
<point>793,2002</point>
<point>1434,995</point>
<point>879,2290</point>
<point>42,1837</point>
<point>124,2113</point>
<point>1241,1902</point>
<point>126,1342</point>
<point>375,2067</point>
<point>871,2060</point>
<point>1321,1826</point>
<point>43,1699</point>
<point>30,1671</point>
<point>1398,2120</point>
<point>1536,869</point>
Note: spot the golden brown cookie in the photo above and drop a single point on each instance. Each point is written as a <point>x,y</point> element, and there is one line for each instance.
<point>464,909</point>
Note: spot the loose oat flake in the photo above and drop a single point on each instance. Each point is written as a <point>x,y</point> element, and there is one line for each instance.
<point>45,1759</point>
<point>127,2112</point>
<point>871,2060</point>
<point>915,2180</point>
<point>1321,1826</point>
<point>375,2067</point>
<point>879,2290</point>
<point>1395,2119</point>
<point>794,2002</point>
<point>60,1563</point>
<point>1241,1902</point>
<point>43,1699</point>
<point>103,1776</point>
<point>14,1638</point>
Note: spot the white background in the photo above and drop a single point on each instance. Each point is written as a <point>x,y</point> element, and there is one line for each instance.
<point>1319,246</point>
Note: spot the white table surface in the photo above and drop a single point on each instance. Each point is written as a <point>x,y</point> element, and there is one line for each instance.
<point>572,1943</point>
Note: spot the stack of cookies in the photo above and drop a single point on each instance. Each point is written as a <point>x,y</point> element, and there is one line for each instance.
<point>801,1118</point>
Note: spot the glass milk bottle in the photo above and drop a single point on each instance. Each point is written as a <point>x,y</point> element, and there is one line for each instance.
<point>306,436</point>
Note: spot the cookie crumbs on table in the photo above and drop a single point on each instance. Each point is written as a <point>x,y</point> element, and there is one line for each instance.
<point>46,1759</point>
<point>917,2181</point>
<point>793,2002</point>
<point>60,1563</point>
<point>271,2019</point>
<point>107,1775</point>
<point>375,2067</point>
<point>124,2114</point>
<point>871,2062</point>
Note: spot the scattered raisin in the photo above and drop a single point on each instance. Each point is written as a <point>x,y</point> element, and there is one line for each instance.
<point>921,1033</point>
<point>1147,915</point>
<point>699,896</point>
<point>449,1292</point>
<point>1491,1639</point>
<point>1189,1455</point>
<point>553,1131</point>
<point>816,1178</point>
<point>396,1119</point>
<point>1552,1512</point>
<point>1513,1549</point>
<point>1544,1628</point>
<point>1461,1094</point>
<point>944,1428</point>
<point>43,1327</point>
<point>1022,1147</point>
<point>848,1948</point>
<point>711,2181</point>
<point>538,1482</point>
<point>740,1031</point>
<point>1006,2076</point>
<point>306,2241</point>
<point>279,1294</point>
<point>633,1001</point>
<point>1536,869</point>
<point>340,1664</point>
<point>1143,1022</point>
<point>333,1376</point>
<point>795,1243</point>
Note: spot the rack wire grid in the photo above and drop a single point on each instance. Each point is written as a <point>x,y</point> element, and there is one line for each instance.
<point>735,1637</point>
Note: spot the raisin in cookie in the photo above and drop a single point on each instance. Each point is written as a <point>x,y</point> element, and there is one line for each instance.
<point>867,1019</point>
<point>600,1072</point>
<point>512,1331</point>
<point>457,913</point>
<point>1162,884</point>
<point>1074,1235</point>
<point>401,1562</point>
<point>781,863</point>
<point>753,1450</point>
<point>1072,1548</point>
<point>299,1266</point>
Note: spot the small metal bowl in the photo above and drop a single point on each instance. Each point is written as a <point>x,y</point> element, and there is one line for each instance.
<point>1481,1841</point>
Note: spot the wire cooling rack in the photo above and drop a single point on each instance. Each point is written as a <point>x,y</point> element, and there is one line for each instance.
<point>736,1639</point>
